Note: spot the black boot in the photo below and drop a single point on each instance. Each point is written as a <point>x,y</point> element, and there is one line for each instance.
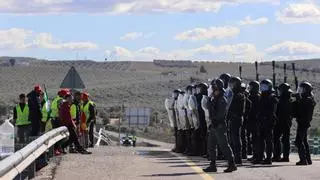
<point>211,168</point>
<point>302,163</point>
<point>231,167</point>
<point>267,161</point>
<point>285,159</point>
<point>309,161</point>
<point>276,159</point>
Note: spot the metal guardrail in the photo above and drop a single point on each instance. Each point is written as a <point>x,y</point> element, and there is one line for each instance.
<point>14,165</point>
<point>102,135</point>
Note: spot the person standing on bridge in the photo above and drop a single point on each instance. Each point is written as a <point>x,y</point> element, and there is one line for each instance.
<point>35,110</point>
<point>267,119</point>
<point>66,120</point>
<point>304,107</point>
<point>217,130</point>
<point>55,119</point>
<point>202,89</point>
<point>235,117</point>
<point>252,124</point>
<point>283,125</point>
<point>89,111</point>
<point>75,111</point>
<point>21,119</point>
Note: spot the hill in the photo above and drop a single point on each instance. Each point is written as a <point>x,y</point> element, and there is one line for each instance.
<point>136,84</point>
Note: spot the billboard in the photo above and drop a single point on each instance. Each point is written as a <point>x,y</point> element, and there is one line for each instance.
<point>137,117</point>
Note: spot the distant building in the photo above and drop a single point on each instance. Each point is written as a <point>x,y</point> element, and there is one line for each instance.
<point>174,63</point>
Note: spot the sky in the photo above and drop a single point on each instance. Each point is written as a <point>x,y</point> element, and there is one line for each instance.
<point>143,30</point>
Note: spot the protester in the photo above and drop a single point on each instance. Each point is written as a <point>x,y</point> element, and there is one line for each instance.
<point>66,120</point>
<point>21,119</point>
<point>89,114</point>
<point>35,114</point>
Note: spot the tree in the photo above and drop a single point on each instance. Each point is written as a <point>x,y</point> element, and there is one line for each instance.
<point>202,69</point>
<point>12,62</point>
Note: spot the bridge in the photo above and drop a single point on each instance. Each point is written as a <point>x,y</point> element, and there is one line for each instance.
<point>151,160</point>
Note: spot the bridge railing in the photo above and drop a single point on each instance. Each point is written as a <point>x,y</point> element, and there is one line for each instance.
<point>102,135</point>
<point>22,162</point>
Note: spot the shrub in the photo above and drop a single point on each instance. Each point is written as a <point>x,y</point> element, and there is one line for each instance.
<point>202,69</point>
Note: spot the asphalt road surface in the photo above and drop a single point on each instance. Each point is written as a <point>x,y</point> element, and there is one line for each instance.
<point>128,163</point>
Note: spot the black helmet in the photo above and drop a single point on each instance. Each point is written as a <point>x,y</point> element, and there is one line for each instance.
<point>177,91</point>
<point>218,84</point>
<point>213,81</point>
<point>189,88</point>
<point>307,87</point>
<point>203,85</point>
<point>285,88</point>
<point>266,85</point>
<point>236,81</point>
<point>254,86</point>
<point>225,77</point>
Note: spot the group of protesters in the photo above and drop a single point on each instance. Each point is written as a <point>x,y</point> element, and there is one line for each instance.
<point>35,115</point>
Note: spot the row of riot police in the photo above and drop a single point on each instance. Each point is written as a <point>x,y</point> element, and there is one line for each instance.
<point>230,120</point>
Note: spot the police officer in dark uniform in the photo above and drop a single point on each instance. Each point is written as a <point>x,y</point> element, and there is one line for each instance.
<point>283,124</point>
<point>252,124</point>
<point>225,77</point>
<point>304,106</point>
<point>246,140</point>
<point>217,131</point>
<point>202,90</point>
<point>235,117</point>
<point>267,120</point>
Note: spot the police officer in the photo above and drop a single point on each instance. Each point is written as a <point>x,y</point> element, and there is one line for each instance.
<point>179,144</point>
<point>252,124</point>
<point>225,77</point>
<point>174,117</point>
<point>267,119</point>
<point>190,130</point>
<point>183,121</point>
<point>304,107</point>
<point>202,89</point>
<point>246,140</point>
<point>217,132</point>
<point>283,124</point>
<point>235,117</point>
<point>193,106</point>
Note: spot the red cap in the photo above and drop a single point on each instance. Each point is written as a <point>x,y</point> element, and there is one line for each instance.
<point>84,96</point>
<point>63,92</point>
<point>37,89</point>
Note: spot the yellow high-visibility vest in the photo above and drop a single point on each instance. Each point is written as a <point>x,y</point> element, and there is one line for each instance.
<point>44,113</point>
<point>73,111</point>
<point>85,109</point>
<point>54,107</point>
<point>22,116</point>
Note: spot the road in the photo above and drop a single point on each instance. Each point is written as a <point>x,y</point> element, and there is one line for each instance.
<point>122,163</point>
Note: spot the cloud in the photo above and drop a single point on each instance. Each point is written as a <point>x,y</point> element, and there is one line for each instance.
<point>119,6</point>
<point>149,50</point>
<point>136,35</point>
<point>131,36</point>
<point>300,13</point>
<point>15,38</point>
<point>242,50</point>
<point>197,34</point>
<point>291,47</point>
<point>249,21</point>
<point>236,49</point>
